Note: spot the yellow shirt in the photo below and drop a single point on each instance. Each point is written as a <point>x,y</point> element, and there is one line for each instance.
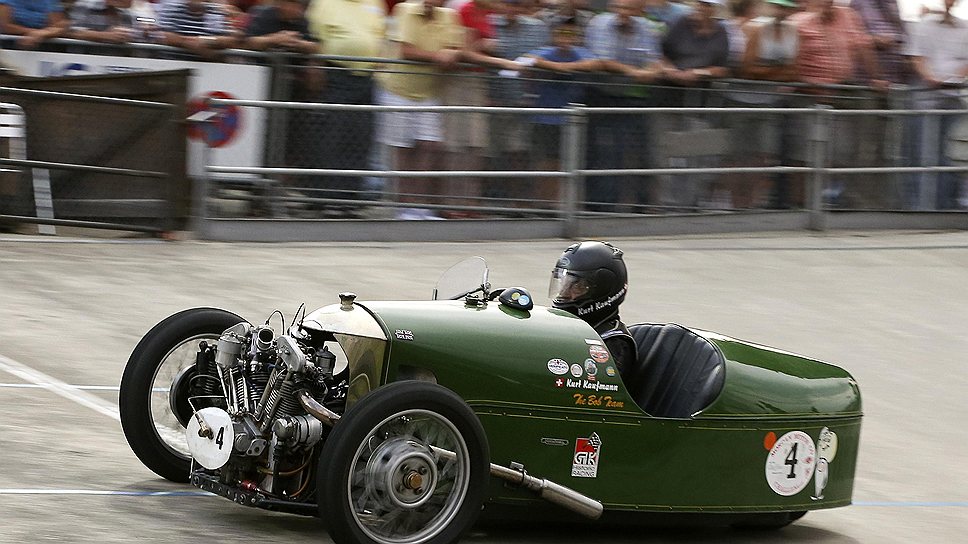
<point>352,28</point>
<point>441,31</point>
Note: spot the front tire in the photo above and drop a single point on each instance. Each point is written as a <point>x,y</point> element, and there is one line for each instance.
<point>155,432</point>
<point>407,464</point>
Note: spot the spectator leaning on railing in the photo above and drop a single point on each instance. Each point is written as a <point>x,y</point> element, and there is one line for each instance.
<point>833,43</point>
<point>625,42</point>
<point>35,20</point>
<point>280,26</point>
<point>108,21</point>
<point>696,48</point>
<point>344,139</point>
<point>772,42</point>
<point>516,34</point>
<point>742,11</point>
<point>198,26</point>
<point>563,57</point>
<point>939,51</point>
<point>466,134</point>
<point>425,31</point>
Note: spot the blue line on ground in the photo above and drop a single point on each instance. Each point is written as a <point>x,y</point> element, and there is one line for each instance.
<point>924,504</point>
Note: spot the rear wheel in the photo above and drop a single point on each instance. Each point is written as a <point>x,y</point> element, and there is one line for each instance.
<point>408,464</point>
<point>156,385</point>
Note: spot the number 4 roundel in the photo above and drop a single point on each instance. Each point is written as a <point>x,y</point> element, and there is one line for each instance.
<point>790,463</point>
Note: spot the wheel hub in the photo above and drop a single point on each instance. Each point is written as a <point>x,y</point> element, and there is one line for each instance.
<point>403,472</point>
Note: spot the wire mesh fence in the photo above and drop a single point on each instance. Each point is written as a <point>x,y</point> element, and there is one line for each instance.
<point>733,145</point>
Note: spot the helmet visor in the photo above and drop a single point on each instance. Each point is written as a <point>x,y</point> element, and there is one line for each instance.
<point>567,287</point>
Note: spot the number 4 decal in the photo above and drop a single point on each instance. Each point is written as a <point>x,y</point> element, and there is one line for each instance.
<point>791,459</point>
<point>790,463</point>
<point>220,437</point>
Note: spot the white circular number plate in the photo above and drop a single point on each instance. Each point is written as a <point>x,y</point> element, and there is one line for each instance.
<point>214,451</point>
<point>791,463</point>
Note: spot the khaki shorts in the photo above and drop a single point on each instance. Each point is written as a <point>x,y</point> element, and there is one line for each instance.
<point>463,130</point>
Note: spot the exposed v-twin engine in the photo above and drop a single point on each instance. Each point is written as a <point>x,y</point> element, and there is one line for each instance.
<point>249,431</point>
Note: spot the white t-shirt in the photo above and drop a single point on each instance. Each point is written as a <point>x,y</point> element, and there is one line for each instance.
<point>943,46</point>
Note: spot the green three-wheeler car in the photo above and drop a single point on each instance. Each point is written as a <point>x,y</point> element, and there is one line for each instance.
<point>399,422</point>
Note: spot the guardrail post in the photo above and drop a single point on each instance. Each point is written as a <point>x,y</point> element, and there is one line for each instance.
<point>200,191</point>
<point>819,131</point>
<point>573,162</point>
<point>277,118</point>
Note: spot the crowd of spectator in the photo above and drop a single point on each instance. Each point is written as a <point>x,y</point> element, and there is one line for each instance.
<point>541,48</point>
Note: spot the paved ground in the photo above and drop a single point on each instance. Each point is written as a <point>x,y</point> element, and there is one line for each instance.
<point>888,307</point>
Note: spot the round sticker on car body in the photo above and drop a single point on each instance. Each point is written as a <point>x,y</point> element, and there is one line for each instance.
<point>790,463</point>
<point>598,353</point>
<point>827,444</point>
<point>558,367</point>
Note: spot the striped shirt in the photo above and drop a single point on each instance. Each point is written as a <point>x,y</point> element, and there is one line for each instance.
<point>175,16</point>
<point>882,18</point>
<point>827,48</point>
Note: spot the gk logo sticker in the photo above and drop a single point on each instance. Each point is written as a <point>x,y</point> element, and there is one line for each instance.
<point>587,453</point>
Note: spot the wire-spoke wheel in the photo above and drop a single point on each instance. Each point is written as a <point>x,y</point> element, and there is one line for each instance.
<point>408,464</point>
<point>156,386</point>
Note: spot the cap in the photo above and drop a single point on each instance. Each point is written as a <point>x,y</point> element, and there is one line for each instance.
<point>784,3</point>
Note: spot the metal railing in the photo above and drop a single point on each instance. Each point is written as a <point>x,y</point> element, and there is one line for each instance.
<point>574,213</point>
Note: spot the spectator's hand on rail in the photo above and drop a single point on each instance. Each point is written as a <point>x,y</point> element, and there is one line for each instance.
<point>33,39</point>
<point>447,58</point>
<point>682,77</point>
<point>644,75</point>
<point>117,34</point>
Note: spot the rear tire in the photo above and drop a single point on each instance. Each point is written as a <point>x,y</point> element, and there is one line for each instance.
<point>154,432</point>
<point>381,480</point>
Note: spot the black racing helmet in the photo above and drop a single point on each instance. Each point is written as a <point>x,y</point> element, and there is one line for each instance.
<point>589,281</point>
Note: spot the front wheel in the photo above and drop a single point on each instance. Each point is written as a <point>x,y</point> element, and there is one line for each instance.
<point>408,464</point>
<point>154,395</point>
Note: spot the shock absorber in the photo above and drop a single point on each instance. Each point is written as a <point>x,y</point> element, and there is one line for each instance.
<point>206,382</point>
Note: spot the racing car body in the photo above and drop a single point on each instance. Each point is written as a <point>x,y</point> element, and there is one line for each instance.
<point>703,423</point>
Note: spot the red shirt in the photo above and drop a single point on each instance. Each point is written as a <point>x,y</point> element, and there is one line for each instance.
<point>475,17</point>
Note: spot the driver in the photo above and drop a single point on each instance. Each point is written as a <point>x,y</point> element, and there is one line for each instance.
<point>590,281</point>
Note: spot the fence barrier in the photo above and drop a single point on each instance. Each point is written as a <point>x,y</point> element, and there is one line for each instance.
<point>623,156</point>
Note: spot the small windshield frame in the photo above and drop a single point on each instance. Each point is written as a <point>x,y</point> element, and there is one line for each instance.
<point>464,278</point>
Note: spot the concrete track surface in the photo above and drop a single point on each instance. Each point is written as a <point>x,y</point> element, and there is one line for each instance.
<point>891,308</point>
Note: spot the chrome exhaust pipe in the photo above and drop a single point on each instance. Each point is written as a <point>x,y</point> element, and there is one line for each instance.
<point>550,491</point>
<point>315,409</point>
<point>546,489</point>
